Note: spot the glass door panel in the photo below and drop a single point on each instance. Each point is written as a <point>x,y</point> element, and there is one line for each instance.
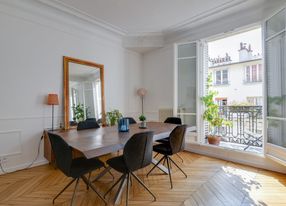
<point>275,45</point>
<point>186,86</point>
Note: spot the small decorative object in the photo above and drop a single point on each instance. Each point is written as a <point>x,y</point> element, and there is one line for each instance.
<point>113,116</point>
<point>211,115</point>
<point>78,113</point>
<point>143,124</point>
<point>142,92</point>
<point>53,99</point>
<point>123,125</point>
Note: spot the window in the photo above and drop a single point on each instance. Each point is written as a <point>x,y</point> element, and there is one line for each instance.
<point>253,73</point>
<point>221,77</point>
<point>221,101</point>
<point>255,101</point>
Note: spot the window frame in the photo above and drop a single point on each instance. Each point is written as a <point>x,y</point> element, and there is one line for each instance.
<point>221,72</point>
<point>259,72</point>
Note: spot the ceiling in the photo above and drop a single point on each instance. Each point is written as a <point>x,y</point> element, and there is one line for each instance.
<point>146,25</point>
<point>148,16</point>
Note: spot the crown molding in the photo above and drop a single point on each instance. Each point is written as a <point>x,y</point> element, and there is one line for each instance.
<point>83,16</point>
<point>172,29</point>
<point>204,15</point>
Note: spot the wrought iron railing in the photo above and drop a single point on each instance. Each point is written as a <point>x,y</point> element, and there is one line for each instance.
<point>246,125</point>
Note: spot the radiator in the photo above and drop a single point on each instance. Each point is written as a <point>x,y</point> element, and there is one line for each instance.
<point>164,113</point>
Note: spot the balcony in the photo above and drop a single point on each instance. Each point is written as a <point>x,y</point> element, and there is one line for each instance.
<point>247,126</point>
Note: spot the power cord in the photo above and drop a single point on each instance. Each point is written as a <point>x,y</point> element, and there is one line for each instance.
<point>30,165</point>
<point>38,153</point>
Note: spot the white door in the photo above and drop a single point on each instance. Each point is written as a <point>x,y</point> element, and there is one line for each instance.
<point>185,101</point>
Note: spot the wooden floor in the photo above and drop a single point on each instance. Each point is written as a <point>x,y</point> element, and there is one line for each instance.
<point>210,182</point>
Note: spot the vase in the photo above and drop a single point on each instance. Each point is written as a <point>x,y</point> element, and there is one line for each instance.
<point>143,124</point>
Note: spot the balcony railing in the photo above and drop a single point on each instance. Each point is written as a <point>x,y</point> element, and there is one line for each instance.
<point>246,126</point>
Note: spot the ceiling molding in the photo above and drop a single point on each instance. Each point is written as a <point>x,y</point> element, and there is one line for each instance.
<point>84,16</point>
<point>172,29</point>
<point>204,15</point>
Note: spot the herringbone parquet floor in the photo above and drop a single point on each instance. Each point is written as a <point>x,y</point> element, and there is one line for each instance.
<point>210,182</point>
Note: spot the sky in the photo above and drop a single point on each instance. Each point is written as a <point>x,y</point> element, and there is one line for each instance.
<point>231,44</point>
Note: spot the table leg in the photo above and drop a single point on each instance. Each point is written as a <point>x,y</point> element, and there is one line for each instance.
<point>101,174</point>
<point>120,190</point>
<point>160,166</point>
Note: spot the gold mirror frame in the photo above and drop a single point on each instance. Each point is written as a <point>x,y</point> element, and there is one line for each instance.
<point>68,60</point>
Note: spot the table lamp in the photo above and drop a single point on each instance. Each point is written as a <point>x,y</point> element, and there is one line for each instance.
<point>53,99</point>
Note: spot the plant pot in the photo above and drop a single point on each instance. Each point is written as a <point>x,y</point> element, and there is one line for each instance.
<point>143,125</point>
<point>214,139</point>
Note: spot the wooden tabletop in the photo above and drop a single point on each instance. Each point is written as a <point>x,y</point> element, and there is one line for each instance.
<point>104,140</point>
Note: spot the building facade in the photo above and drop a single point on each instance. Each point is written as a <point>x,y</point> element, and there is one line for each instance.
<point>238,83</point>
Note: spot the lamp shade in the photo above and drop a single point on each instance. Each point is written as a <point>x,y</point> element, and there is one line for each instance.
<point>141,92</point>
<point>53,99</point>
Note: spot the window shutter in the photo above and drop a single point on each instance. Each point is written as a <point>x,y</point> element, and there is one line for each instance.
<point>203,65</point>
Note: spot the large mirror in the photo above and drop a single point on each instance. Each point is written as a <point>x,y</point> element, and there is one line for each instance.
<point>83,91</point>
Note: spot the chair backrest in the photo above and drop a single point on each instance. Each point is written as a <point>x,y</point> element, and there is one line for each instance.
<point>91,119</point>
<point>62,152</point>
<point>177,138</point>
<point>89,124</point>
<point>137,152</point>
<point>131,120</point>
<point>173,120</point>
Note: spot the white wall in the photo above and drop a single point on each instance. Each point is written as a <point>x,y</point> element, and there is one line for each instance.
<point>158,79</point>
<point>34,38</point>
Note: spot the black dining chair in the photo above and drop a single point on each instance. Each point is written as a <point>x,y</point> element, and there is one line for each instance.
<point>137,154</point>
<point>75,168</point>
<point>90,124</point>
<point>131,120</point>
<point>175,145</point>
<point>171,120</point>
<point>87,124</point>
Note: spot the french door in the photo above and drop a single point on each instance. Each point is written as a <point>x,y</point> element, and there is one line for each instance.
<point>185,104</point>
<point>275,88</point>
<point>188,86</point>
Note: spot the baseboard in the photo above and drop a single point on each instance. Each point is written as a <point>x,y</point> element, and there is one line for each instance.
<point>258,161</point>
<point>23,166</point>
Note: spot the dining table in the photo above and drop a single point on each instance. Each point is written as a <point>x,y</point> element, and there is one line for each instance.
<point>104,140</point>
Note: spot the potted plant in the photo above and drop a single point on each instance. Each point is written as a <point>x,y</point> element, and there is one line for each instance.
<point>142,118</point>
<point>211,115</point>
<point>78,112</point>
<point>113,116</point>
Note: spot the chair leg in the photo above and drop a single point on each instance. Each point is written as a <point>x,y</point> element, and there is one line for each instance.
<point>89,174</point>
<point>180,157</point>
<point>170,176</point>
<point>123,176</point>
<point>74,192</point>
<point>63,190</point>
<point>164,161</point>
<point>140,181</point>
<point>127,188</point>
<point>156,155</point>
<point>92,187</point>
<point>120,190</point>
<point>178,167</point>
<point>155,165</point>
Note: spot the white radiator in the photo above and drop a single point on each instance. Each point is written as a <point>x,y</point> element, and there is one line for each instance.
<point>164,113</point>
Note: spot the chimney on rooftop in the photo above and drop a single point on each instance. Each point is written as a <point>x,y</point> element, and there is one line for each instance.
<point>245,53</point>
